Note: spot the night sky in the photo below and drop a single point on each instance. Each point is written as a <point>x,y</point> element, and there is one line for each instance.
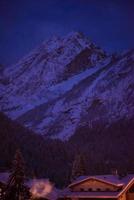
<point>24,24</point>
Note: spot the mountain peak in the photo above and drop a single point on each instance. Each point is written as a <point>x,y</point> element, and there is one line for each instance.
<point>75,34</point>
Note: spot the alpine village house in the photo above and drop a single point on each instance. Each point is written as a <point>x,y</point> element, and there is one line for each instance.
<point>107,187</point>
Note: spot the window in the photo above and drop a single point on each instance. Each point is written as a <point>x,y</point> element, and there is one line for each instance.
<point>90,189</point>
<point>107,189</point>
<point>98,189</point>
<point>81,189</point>
<point>131,190</point>
<point>119,189</point>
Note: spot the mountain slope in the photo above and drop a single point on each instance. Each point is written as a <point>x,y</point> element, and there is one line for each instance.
<point>54,61</point>
<point>66,83</point>
<point>98,95</point>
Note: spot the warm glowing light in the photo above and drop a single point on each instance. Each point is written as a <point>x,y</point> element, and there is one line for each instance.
<point>41,188</point>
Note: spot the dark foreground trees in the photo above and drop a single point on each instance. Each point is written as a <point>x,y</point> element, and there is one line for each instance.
<point>16,190</point>
<point>79,167</point>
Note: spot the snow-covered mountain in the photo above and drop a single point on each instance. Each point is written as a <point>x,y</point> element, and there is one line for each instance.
<point>67,82</point>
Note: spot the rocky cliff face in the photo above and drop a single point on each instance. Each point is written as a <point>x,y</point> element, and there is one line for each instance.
<point>68,82</point>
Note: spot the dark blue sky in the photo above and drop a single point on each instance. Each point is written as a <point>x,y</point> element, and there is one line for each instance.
<point>24,24</point>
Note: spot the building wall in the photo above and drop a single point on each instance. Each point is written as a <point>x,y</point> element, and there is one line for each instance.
<point>87,199</point>
<point>94,185</point>
<point>130,193</point>
<point>130,196</point>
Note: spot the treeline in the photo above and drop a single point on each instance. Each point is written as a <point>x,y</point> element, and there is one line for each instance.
<point>43,158</point>
<point>103,148</point>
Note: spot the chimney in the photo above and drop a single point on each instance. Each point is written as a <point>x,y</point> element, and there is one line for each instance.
<point>114,172</point>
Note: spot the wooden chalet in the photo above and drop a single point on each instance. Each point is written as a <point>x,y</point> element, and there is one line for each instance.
<point>107,187</point>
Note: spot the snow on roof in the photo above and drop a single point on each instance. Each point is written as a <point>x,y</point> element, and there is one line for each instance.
<point>112,179</point>
<point>4,177</point>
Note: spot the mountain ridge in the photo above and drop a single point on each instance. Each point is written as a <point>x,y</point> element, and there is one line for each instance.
<point>67,82</point>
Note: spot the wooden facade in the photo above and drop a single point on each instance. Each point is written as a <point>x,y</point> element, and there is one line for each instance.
<point>108,187</point>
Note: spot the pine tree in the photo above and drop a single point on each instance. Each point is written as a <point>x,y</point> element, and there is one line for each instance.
<point>79,168</point>
<point>16,190</point>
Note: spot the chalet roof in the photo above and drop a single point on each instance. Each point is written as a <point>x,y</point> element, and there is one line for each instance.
<point>125,182</point>
<point>4,177</point>
<point>112,179</point>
